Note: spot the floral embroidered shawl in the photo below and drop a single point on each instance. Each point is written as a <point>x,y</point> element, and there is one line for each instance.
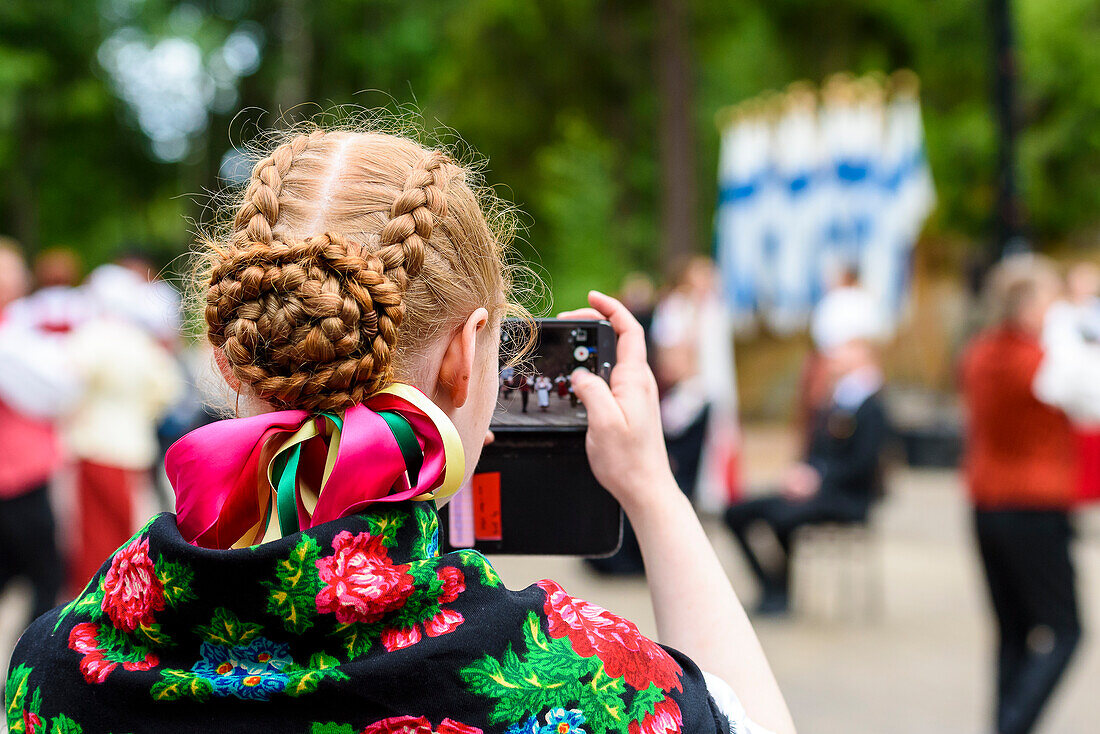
<point>356,625</point>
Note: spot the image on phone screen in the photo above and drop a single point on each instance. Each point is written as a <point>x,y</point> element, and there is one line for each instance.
<point>537,392</point>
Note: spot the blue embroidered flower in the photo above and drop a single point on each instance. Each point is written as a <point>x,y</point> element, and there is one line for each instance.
<point>252,671</point>
<point>433,544</point>
<point>531,726</point>
<point>563,721</point>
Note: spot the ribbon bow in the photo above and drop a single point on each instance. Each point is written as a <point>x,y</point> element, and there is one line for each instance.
<point>243,480</point>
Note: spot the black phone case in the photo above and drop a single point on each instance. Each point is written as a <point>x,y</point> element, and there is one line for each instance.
<point>550,504</point>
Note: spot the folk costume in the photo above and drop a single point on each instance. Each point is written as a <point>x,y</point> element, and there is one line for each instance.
<point>1020,472</point>
<point>347,619</point>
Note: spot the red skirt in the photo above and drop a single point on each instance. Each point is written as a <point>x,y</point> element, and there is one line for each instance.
<point>1088,466</point>
<point>104,505</point>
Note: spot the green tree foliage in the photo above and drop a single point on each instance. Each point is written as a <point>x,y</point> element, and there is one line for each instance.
<point>559,95</point>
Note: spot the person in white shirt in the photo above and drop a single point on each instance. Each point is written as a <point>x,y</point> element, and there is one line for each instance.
<point>128,381</point>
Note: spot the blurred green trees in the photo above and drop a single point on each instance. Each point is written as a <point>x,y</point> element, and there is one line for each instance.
<point>559,95</point>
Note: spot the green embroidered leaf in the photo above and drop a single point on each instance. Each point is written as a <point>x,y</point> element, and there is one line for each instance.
<point>331,728</point>
<point>427,525</point>
<point>426,576</point>
<point>15,693</point>
<point>305,680</point>
<point>358,638</point>
<point>294,593</point>
<point>321,661</point>
<point>302,681</point>
<point>88,603</point>
<point>644,702</point>
<point>479,563</point>
<point>423,603</point>
<point>118,646</point>
<point>176,684</point>
<point>226,629</point>
<point>62,724</point>
<point>152,635</point>
<point>386,524</point>
<point>176,578</point>
<point>547,674</point>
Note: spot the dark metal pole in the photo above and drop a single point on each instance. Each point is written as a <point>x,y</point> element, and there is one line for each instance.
<point>1009,214</point>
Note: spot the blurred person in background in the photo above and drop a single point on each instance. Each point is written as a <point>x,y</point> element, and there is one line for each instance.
<point>1020,470</point>
<point>129,380</point>
<point>160,309</point>
<point>693,338</point>
<point>29,450</point>
<point>840,475</point>
<point>1067,376</point>
<point>691,342</point>
<point>639,295</point>
<point>57,305</point>
<point>845,302</point>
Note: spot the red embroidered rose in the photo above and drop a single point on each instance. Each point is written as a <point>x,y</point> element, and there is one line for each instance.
<point>31,722</point>
<point>397,639</point>
<point>446,621</point>
<point>665,719</point>
<point>362,584</point>
<point>450,726</point>
<point>148,663</point>
<point>82,638</point>
<point>418,725</point>
<point>454,583</point>
<point>131,589</point>
<point>94,666</point>
<point>624,651</point>
<point>400,725</point>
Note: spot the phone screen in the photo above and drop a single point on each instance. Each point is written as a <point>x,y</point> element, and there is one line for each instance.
<point>537,465</point>
<point>538,392</point>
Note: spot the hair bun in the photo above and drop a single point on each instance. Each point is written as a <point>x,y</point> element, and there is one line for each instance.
<point>311,324</point>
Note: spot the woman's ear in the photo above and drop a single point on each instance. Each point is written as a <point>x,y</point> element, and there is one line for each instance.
<point>226,370</point>
<point>458,360</point>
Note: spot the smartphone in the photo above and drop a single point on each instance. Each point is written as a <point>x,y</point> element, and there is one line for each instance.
<point>533,492</point>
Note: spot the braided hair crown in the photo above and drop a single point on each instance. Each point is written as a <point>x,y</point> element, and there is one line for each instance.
<point>307,301</point>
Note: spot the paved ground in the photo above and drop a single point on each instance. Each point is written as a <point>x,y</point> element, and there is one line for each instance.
<point>923,666</point>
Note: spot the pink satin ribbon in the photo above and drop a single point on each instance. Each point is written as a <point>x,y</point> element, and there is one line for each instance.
<point>220,475</point>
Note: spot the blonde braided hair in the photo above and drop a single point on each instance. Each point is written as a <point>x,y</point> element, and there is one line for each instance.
<point>318,320</point>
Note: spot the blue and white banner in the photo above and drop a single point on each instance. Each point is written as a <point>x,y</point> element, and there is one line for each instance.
<point>813,185</point>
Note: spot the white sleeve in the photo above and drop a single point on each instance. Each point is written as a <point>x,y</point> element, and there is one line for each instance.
<point>35,377</point>
<point>730,705</point>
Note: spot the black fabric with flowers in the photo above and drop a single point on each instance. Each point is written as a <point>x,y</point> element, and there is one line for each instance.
<point>358,625</point>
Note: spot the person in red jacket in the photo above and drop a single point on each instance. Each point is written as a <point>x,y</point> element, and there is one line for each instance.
<point>29,456</point>
<point>1020,468</point>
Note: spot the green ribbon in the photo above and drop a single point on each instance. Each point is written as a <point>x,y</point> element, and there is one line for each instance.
<point>285,468</point>
<point>286,492</point>
<point>406,441</point>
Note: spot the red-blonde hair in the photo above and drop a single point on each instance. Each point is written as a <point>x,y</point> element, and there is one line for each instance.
<point>346,254</point>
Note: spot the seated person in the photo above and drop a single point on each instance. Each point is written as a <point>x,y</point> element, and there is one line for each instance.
<point>839,478</point>
<point>354,303</point>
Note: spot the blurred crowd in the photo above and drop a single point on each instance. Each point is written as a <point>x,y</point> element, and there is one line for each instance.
<point>1031,401</point>
<point>93,387</point>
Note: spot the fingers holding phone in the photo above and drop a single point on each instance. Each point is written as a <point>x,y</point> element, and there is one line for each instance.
<point>625,443</point>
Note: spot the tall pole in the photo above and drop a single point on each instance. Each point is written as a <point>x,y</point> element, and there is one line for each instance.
<point>676,132</point>
<point>1009,215</point>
